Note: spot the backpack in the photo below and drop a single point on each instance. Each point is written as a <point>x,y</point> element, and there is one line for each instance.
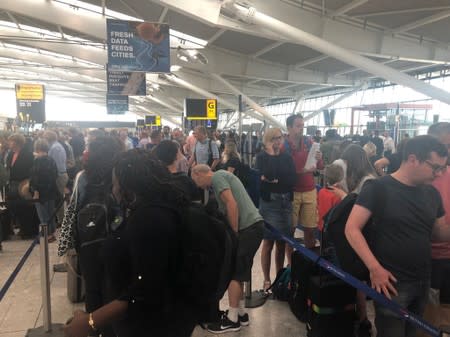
<point>281,286</point>
<point>334,227</point>
<point>94,220</point>
<point>243,173</point>
<point>207,255</point>
<point>210,154</point>
<point>307,143</point>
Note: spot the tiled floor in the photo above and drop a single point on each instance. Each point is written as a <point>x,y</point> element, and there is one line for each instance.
<point>21,308</point>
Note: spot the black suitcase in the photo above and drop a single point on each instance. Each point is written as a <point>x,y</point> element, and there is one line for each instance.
<point>302,269</point>
<point>331,307</point>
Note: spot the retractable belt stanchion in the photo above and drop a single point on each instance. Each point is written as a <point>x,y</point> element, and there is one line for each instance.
<point>48,329</point>
<point>404,314</point>
<point>253,299</point>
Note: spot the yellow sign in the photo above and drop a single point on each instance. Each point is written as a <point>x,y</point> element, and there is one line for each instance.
<point>30,91</point>
<point>211,111</point>
<point>153,120</point>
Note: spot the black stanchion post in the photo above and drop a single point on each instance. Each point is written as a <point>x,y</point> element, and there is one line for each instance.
<point>253,299</point>
<point>48,329</point>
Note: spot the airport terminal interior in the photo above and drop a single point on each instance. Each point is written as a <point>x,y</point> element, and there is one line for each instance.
<point>353,69</point>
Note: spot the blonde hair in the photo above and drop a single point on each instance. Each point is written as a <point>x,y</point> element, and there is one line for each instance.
<point>230,151</point>
<point>370,148</point>
<point>201,169</point>
<point>271,133</point>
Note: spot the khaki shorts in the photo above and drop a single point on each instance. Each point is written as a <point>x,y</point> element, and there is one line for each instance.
<point>304,209</point>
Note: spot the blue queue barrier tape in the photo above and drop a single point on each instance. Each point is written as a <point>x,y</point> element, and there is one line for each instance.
<point>19,266</point>
<point>354,282</point>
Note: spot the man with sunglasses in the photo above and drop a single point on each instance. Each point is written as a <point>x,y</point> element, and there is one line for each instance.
<point>399,257</point>
<point>440,251</point>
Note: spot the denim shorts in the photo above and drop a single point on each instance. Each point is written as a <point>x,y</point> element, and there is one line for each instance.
<point>278,213</point>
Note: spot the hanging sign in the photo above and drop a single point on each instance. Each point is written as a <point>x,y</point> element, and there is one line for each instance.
<point>126,83</point>
<point>153,120</point>
<point>138,46</point>
<point>116,104</point>
<point>30,102</point>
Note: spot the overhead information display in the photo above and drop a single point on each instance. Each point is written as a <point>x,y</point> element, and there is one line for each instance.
<point>201,109</point>
<point>30,102</point>
<point>153,120</point>
<point>138,46</point>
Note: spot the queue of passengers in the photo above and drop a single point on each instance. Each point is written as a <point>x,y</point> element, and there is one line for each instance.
<point>401,266</point>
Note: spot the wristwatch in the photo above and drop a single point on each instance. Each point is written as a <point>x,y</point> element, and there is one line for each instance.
<point>91,322</point>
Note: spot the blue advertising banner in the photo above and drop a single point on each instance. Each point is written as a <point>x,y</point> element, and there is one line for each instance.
<point>116,104</point>
<point>138,46</point>
<point>126,83</point>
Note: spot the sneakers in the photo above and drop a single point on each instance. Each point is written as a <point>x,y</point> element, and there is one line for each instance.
<point>225,325</point>
<point>242,319</point>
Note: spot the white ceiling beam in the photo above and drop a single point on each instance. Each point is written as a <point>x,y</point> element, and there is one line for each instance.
<point>265,114</point>
<point>401,11</point>
<point>421,22</point>
<point>349,71</point>
<point>267,49</point>
<point>216,35</point>
<point>313,60</point>
<point>348,7</point>
<point>219,61</point>
<point>52,61</point>
<point>207,94</point>
<point>60,31</point>
<point>13,19</point>
<point>253,16</point>
<point>131,9</point>
<point>162,17</point>
<point>335,101</point>
<point>362,40</point>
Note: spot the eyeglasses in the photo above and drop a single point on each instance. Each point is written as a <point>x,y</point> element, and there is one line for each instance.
<point>436,167</point>
<point>276,138</point>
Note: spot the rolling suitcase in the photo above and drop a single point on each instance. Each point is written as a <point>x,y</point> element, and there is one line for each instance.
<point>301,270</point>
<point>75,283</point>
<point>331,307</point>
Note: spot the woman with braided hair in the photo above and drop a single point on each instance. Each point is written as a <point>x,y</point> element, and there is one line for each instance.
<point>143,262</point>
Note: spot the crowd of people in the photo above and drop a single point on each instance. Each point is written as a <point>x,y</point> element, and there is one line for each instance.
<point>168,168</point>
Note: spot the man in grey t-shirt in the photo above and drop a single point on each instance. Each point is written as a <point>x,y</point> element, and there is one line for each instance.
<point>246,221</point>
<point>205,150</point>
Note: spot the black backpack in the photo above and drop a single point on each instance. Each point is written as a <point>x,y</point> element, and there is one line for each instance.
<point>334,227</point>
<point>243,173</point>
<point>207,255</point>
<point>281,286</point>
<point>95,217</point>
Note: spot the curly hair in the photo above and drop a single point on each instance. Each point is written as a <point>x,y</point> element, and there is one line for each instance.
<point>102,151</point>
<point>141,174</point>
